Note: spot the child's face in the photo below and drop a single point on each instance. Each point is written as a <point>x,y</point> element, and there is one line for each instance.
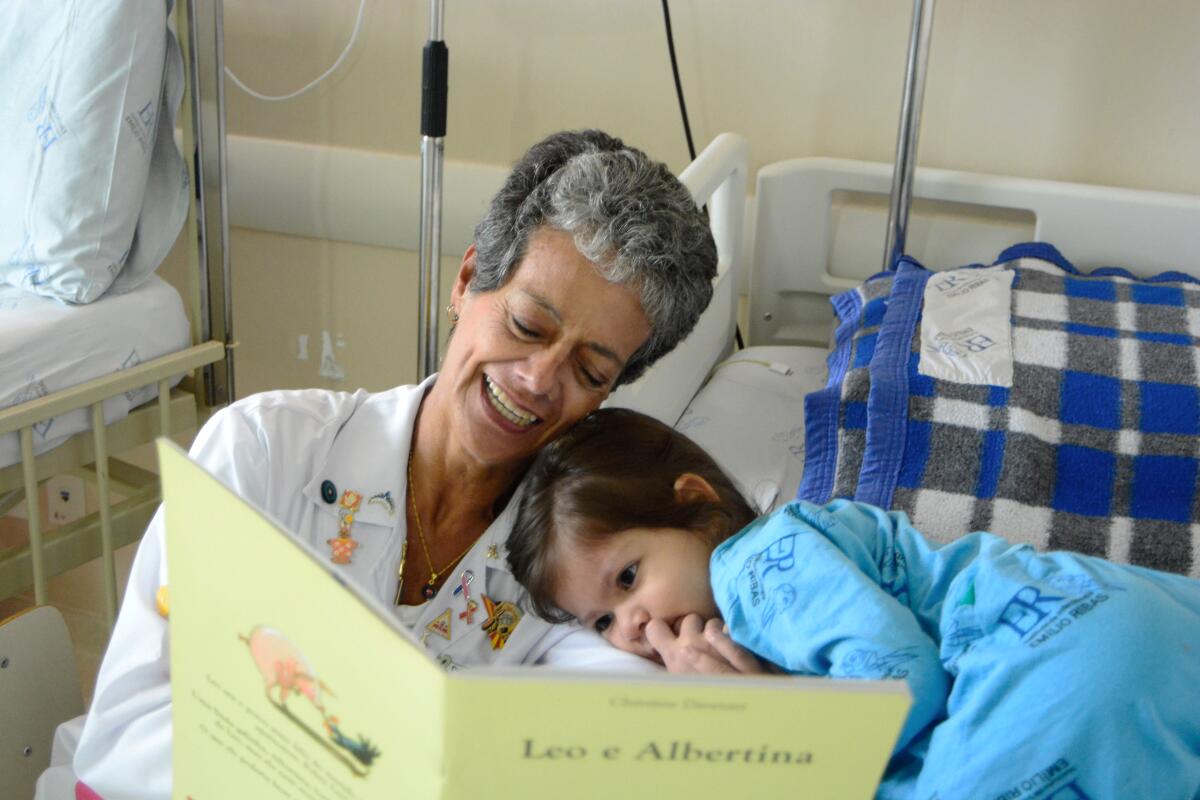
<point>635,576</point>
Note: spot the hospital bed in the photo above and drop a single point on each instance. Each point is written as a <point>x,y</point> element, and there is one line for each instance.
<point>817,230</point>
<point>81,382</point>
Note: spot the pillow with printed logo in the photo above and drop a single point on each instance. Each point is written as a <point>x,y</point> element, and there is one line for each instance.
<point>93,183</point>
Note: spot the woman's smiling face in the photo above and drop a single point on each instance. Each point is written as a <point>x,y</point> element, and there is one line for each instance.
<point>530,359</point>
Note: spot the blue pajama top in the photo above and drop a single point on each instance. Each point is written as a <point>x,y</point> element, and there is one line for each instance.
<point>1034,676</point>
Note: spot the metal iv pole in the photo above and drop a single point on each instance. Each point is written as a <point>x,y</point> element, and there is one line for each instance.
<point>910,127</point>
<point>433,136</point>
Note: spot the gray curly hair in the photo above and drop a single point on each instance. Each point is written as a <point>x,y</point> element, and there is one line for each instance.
<point>628,215</point>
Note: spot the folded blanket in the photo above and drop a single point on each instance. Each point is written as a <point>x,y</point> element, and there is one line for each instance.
<point>836,416</point>
<point>1094,448</point>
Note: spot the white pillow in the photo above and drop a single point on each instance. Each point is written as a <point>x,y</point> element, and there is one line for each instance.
<point>83,113</point>
<point>750,418</point>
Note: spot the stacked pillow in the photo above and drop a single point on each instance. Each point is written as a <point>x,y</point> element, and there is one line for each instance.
<point>95,191</point>
<point>1094,444</point>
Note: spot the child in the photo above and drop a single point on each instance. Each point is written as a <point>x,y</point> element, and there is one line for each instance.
<point>1033,675</point>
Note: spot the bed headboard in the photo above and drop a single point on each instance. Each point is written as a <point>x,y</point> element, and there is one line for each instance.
<point>717,177</point>
<point>820,223</point>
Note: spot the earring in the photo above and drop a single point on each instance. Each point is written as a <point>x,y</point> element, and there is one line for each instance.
<point>451,314</point>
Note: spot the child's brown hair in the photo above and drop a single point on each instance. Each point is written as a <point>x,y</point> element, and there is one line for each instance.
<point>615,470</point>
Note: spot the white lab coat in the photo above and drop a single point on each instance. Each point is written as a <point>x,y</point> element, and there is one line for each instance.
<point>277,449</point>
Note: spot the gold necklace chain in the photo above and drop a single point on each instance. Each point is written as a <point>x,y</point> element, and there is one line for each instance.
<point>430,587</point>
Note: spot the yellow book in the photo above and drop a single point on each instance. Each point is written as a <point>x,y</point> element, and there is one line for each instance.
<point>289,683</point>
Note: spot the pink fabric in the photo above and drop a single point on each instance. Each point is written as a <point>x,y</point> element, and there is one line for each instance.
<point>83,792</point>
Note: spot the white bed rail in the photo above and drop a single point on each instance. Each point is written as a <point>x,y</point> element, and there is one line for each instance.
<point>92,394</point>
<point>717,177</point>
<point>807,244</point>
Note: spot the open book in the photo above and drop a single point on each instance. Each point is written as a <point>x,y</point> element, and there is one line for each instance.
<point>289,683</point>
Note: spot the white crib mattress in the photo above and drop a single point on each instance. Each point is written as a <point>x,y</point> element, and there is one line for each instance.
<point>46,346</point>
<point>750,417</point>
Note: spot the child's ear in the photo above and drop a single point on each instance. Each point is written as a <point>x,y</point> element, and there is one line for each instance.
<point>691,488</point>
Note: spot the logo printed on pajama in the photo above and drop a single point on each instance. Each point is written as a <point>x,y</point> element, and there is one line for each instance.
<point>782,597</point>
<point>751,578</point>
<point>1080,585</point>
<point>1069,792</point>
<point>894,576</point>
<point>779,555</point>
<point>873,664</point>
<point>961,634</point>
<point>1055,782</point>
<point>1027,608</point>
<point>1037,616</point>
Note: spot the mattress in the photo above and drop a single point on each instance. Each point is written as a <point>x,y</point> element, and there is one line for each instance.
<point>750,417</point>
<point>46,346</point>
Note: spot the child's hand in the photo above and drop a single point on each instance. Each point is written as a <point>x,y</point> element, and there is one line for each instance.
<point>700,646</point>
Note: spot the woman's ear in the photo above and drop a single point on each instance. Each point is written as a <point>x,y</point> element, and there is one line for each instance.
<point>691,488</point>
<point>462,282</point>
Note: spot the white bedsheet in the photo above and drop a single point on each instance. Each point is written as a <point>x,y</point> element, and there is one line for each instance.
<point>750,418</point>
<point>46,346</point>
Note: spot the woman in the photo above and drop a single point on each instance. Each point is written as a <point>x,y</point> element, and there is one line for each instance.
<point>592,263</point>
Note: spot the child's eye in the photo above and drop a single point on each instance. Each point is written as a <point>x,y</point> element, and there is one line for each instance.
<point>627,576</point>
<point>601,624</point>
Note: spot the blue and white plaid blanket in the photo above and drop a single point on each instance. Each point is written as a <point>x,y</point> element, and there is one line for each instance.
<point>1095,447</point>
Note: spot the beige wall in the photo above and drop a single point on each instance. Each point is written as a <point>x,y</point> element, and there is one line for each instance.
<point>1100,91</point>
<point>1096,91</point>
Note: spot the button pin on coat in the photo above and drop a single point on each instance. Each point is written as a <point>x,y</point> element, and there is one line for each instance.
<point>329,492</point>
<point>502,619</point>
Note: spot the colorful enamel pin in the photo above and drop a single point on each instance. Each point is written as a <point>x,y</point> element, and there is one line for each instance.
<point>464,588</point>
<point>441,625</point>
<point>343,546</point>
<point>501,622</point>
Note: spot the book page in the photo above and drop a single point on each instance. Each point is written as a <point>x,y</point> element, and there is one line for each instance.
<point>668,737</point>
<point>284,684</point>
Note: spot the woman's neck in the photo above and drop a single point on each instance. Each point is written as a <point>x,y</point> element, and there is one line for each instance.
<point>450,485</point>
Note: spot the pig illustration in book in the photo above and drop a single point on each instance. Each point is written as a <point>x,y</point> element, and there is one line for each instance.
<point>286,671</point>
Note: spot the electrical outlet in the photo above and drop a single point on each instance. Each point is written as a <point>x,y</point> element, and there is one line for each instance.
<point>65,499</point>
